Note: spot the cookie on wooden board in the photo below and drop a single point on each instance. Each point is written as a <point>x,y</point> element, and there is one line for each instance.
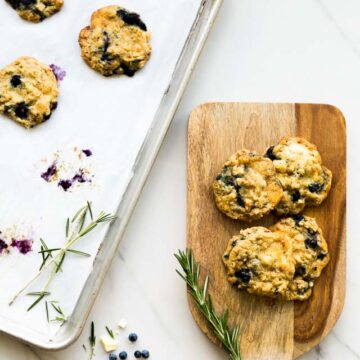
<point>300,171</point>
<point>260,261</point>
<point>247,187</point>
<point>309,250</point>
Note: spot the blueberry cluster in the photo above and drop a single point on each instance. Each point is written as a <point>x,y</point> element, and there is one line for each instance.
<point>144,354</point>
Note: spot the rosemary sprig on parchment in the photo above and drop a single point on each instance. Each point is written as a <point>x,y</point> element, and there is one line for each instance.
<point>229,338</point>
<point>53,258</point>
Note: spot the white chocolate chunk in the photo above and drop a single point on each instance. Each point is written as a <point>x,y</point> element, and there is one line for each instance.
<point>108,343</point>
<point>122,324</point>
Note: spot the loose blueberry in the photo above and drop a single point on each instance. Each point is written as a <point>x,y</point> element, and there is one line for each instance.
<point>133,337</point>
<point>316,187</point>
<point>270,153</point>
<point>145,354</point>
<point>15,81</point>
<point>137,354</point>
<point>244,275</point>
<point>311,242</point>
<point>22,110</point>
<point>295,196</point>
<point>123,355</point>
<point>131,19</point>
<point>112,356</point>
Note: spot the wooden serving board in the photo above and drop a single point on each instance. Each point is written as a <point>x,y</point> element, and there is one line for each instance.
<point>269,329</point>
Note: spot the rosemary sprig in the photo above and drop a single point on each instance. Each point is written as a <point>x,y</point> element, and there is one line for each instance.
<point>110,332</point>
<point>229,338</point>
<point>53,258</point>
<point>92,340</point>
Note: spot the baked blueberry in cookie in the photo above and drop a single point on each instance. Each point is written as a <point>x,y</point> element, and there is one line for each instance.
<point>28,91</point>
<point>36,10</point>
<point>299,168</point>
<point>247,188</point>
<point>260,262</point>
<point>116,42</point>
<point>309,251</point>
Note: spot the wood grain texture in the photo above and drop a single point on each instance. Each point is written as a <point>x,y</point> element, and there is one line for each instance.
<point>269,329</point>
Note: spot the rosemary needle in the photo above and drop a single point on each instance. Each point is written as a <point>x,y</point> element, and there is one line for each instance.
<point>229,338</point>
<point>110,332</point>
<point>92,340</point>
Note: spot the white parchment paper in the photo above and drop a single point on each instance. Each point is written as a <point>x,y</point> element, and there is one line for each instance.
<point>110,116</point>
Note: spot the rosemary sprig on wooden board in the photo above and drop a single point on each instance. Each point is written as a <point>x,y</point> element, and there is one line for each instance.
<point>53,258</point>
<point>229,338</point>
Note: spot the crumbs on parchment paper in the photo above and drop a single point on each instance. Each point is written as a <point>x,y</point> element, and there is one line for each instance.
<point>69,168</point>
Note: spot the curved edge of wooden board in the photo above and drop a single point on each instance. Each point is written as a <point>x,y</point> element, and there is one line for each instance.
<point>339,291</point>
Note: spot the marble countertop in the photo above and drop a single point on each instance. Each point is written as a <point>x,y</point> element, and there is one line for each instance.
<point>259,50</point>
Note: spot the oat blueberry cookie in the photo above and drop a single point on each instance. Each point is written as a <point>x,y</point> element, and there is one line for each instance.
<point>247,188</point>
<point>303,177</point>
<point>116,42</point>
<point>260,262</point>
<point>36,10</point>
<point>309,250</point>
<point>28,91</point>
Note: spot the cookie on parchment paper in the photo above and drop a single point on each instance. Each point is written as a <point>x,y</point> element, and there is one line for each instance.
<point>116,42</point>
<point>28,91</point>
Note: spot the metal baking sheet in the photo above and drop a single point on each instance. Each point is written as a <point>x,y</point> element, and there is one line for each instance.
<point>122,120</point>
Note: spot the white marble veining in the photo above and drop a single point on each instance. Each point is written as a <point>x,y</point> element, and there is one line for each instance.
<point>259,50</point>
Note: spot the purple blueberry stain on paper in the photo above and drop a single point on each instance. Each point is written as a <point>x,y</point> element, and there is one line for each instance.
<point>3,246</point>
<point>87,152</point>
<point>50,172</point>
<point>59,72</point>
<point>65,184</point>
<point>24,246</point>
<point>79,177</point>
